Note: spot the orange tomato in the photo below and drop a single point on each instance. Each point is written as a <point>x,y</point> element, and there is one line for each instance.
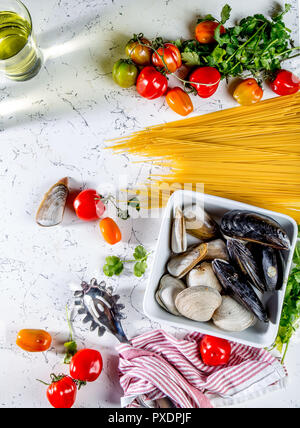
<point>179,101</point>
<point>34,340</point>
<point>205,31</point>
<point>110,231</point>
<point>248,92</point>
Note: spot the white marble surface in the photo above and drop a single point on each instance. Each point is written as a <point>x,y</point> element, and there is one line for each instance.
<point>56,125</point>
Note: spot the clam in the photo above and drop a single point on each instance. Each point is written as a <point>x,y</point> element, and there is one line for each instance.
<point>181,264</point>
<point>272,269</point>
<point>239,289</point>
<point>179,238</point>
<point>167,292</point>
<point>203,275</point>
<point>199,224</point>
<point>231,316</point>
<point>252,227</point>
<point>198,303</point>
<point>242,257</point>
<point>52,208</point>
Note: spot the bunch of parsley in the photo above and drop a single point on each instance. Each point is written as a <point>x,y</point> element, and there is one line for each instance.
<point>290,318</point>
<point>115,266</point>
<point>257,45</point>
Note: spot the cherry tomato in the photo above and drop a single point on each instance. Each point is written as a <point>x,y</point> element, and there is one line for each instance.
<point>125,73</point>
<point>205,31</point>
<point>285,83</point>
<point>86,365</point>
<point>151,84</point>
<point>34,340</point>
<point>139,51</point>
<point>179,101</point>
<point>88,205</point>
<point>110,231</point>
<point>62,392</point>
<point>206,81</point>
<point>171,58</point>
<point>215,351</point>
<point>248,92</point>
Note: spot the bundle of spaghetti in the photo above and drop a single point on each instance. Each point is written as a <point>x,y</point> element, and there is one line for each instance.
<point>250,154</point>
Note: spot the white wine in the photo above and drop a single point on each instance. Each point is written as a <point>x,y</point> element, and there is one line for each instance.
<point>19,55</point>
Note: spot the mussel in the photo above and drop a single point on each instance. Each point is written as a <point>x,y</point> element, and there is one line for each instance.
<point>272,267</point>
<point>242,257</point>
<point>52,207</point>
<point>179,238</point>
<point>252,227</point>
<point>199,224</point>
<point>167,292</point>
<point>203,275</point>
<point>239,289</point>
<point>181,264</point>
<point>198,303</point>
<point>231,316</point>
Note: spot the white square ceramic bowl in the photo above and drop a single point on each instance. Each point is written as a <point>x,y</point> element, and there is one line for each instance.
<point>261,335</point>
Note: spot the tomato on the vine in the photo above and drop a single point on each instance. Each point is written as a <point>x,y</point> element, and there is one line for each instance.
<point>62,392</point>
<point>34,340</point>
<point>125,73</point>
<point>110,231</point>
<point>215,351</point>
<point>205,80</point>
<point>179,101</point>
<point>86,365</point>
<point>248,92</point>
<point>151,84</point>
<point>88,205</point>
<point>167,57</point>
<point>205,31</point>
<point>285,83</point>
<point>139,50</point>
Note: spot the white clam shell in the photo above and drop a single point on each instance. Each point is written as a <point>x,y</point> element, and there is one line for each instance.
<point>179,238</point>
<point>167,292</point>
<point>198,303</point>
<point>203,275</point>
<point>233,317</point>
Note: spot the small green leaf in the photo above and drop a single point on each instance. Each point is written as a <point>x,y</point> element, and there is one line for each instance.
<point>140,268</point>
<point>113,266</point>
<point>140,253</point>
<point>71,350</point>
<point>134,203</point>
<point>225,14</point>
<point>191,59</point>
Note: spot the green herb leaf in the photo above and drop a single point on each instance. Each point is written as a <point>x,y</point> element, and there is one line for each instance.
<point>225,14</point>
<point>140,268</point>
<point>134,203</point>
<point>140,253</point>
<point>71,350</point>
<point>113,266</point>
<point>191,59</point>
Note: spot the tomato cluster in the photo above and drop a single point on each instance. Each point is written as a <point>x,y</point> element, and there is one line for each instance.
<point>149,63</point>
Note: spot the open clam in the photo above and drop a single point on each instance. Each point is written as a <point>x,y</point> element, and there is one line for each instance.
<point>179,238</point>
<point>231,316</point>
<point>198,303</point>
<point>167,292</point>
<point>239,289</point>
<point>272,267</point>
<point>181,264</point>
<point>252,227</point>
<point>203,275</point>
<point>199,224</point>
<point>242,257</point>
<point>52,207</point>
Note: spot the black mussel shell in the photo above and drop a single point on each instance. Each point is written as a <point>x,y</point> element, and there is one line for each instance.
<point>239,289</point>
<point>253,227</point>
<point>272,267</point>
<point>243,258</point>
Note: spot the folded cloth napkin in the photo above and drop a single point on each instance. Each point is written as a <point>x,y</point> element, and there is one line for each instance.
<point>157,365</point>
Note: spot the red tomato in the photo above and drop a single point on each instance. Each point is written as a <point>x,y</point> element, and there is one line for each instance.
<point>205,31</point>
<point>179,101</point>
<point>285,83</point>
<point>88,205</point>
<point>248,92</point>
<point>151,84</point>
<point>34,340</point>
<point>168,55</point>
<point>215,351</point>
<point>205,80</point>
<point>86,365</point>
<point>110,231</point>
<point>62,392</point>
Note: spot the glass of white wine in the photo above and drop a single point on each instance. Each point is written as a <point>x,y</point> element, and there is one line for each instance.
<point>20,58</point>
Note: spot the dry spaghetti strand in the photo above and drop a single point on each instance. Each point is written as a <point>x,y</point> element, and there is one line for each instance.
<point>250,154</point>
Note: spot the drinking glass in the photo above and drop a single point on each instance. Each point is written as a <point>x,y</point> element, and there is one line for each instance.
<point>20,58</point>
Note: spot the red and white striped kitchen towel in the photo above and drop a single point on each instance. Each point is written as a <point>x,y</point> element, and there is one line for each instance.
<point>158,365</point>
